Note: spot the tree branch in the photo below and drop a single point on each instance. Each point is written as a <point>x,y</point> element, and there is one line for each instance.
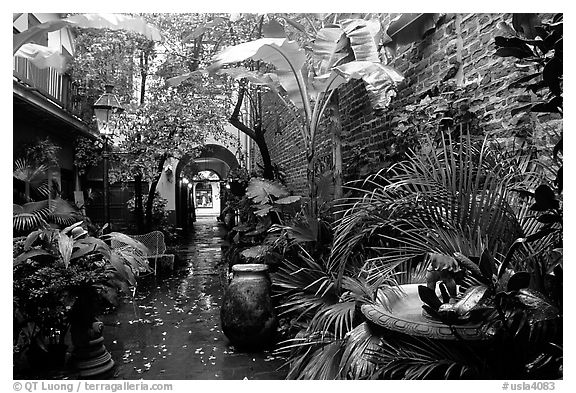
<point>235,118</point>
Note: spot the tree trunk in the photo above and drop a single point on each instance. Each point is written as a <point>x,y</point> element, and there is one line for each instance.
<point>310,176</point>
<point>138,210</point>
<point>27,190</point>
<point>256,134</point>
<point>337,163</point>
<point>138,203</point>
<point>152,192</point>
<point>266,160</point>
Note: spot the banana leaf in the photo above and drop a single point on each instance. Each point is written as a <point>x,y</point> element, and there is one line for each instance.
<point>286,56</point>
<point>44,57</point>
<point>50,57</point>
<point>364,36</point>
<point>380,80</point>
<point>328,49</point>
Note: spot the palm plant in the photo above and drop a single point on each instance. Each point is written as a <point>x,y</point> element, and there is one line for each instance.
<point>33,178</point>
<point>403,357</point>
<point>38,205</point>
<point>334,341</point>
<point>458,200</point>
<point>40,214</point>
<point>453,199</point>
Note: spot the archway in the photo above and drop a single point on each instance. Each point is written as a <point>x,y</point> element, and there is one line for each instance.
<point>215,162</point>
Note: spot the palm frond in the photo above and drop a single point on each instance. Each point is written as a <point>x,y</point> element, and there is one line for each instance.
<point>411,357</point>
<point>63,213</point>
<point>313,357</point>
<point>27,172</point>
<point>304,285</point>
<point>451,200</point>
<point>30,216</point>
<point>334,318</point>
<point>357,361</point>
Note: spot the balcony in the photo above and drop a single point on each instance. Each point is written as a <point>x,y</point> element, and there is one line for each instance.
<point>53,86</point>
<point>52,92</point>
<point>46,81</point>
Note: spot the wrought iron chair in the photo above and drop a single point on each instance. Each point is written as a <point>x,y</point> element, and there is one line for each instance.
<point>154,241</point>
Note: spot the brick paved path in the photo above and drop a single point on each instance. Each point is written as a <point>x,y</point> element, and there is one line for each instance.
<point>172,328</point>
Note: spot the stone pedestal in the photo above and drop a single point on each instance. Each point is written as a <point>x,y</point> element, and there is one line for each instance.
<point>90,358</point>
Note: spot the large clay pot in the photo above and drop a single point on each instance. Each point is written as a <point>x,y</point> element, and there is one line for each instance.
<point>247,313</point>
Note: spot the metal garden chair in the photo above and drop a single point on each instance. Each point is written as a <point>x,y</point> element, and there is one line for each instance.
<point>154,241</point>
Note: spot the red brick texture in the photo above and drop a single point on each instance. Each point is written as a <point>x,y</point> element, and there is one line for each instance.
<point>425,63</point>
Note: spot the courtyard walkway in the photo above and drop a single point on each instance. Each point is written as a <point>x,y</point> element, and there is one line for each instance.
<point>171,330</point>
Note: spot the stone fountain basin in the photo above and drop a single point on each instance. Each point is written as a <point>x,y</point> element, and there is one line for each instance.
<point>407,316</point>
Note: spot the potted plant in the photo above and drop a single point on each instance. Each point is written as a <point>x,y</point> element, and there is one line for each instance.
<point>63,279</point>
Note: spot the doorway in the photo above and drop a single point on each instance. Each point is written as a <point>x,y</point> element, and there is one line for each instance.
<point>206,193</point>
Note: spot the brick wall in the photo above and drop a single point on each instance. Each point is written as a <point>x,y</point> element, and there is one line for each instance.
<point>284,140</point>
<point>423,64</point>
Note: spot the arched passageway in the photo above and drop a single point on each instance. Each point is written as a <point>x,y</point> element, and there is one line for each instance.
<point>199,183</point>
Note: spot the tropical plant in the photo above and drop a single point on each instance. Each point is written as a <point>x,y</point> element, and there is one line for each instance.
<point>270,197</point>
<point>40,214</point>
<point>452,199</point>
<point>44,57</point>
<point>510,286</point>
<point>38,205</point>
<point>340,53</point>
<point>333,340</point>
<point>456,201</point>
<point>32,177</point>
<point>32,163</point>
<point>287,219</point>
<point>54,268</point>
<point>539,45</point>
<point>521,328</point>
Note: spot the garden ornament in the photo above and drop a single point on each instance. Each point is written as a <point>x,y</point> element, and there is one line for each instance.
<point>462,310</point>
<point>445,269</point>
<point>452,309</point>
<point>169,172</point>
